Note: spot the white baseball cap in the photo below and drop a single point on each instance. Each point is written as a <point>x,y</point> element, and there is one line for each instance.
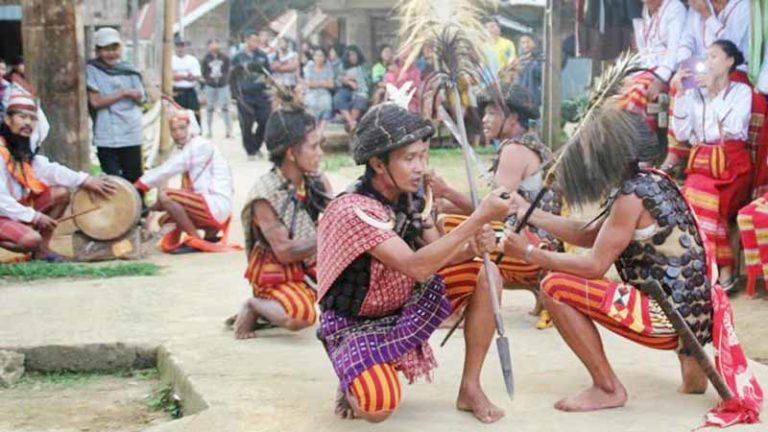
<point>106,36</point>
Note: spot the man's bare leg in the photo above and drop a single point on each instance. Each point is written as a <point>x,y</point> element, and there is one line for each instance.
<point>694,379</point>
<point>177,213</point>
<point>478,332</point>
<point>269,309</point>
<point>581,335</point>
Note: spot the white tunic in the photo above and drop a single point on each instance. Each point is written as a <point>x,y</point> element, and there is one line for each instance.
<point>50,173</point>
<point>731,23</point>
<point>698,119</point>
<point>208,170</point>
<point>658,37</point>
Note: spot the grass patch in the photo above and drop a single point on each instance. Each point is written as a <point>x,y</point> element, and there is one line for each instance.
<point>35,270</point>
<point>75,379</point>
<point>164,399</point>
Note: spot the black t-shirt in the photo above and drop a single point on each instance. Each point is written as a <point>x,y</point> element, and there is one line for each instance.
<point>215,69</point>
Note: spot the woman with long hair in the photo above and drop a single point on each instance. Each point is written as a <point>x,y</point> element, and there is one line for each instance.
<point>712,113</point>
<point>351,98</point>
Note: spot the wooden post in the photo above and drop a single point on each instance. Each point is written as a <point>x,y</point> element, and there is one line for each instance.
<point>54,45</point>
<point>552,89</point>
<point>135,33</point>
<point>167,78</point>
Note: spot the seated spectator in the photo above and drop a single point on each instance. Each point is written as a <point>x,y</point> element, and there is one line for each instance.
<point>351,98</point>
<point>712,113</point>
<point>426,61</point>
<point>319,81</point>
<point>709,21</point>
<point>334,59</point>
<point>386,56</point>
<point>398,77</point>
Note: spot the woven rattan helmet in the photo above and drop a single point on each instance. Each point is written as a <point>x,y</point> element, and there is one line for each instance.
<point>387,127</point>
<point>516,98</point>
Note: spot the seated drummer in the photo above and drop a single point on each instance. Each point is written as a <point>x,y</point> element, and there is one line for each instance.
<point>204,201</point>
<point>279,220</point>
<point>34,192</point>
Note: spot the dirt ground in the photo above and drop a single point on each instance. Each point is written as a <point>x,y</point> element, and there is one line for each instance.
<point>92,403</point>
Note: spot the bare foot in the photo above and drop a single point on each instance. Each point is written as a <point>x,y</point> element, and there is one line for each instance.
<point>476,402</point>
<point>593,399</point>
<point>694,379</point>
<point>545,321</point>
<point>244,323</point>
<point>343,408</point>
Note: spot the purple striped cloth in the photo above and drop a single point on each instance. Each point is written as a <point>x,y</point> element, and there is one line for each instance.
<point>357,344</point>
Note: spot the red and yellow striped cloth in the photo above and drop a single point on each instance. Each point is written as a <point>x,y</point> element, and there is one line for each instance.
<point>717,184</point>
<point>512,271</point>
<point>753,229</point>
<point>621,308</point>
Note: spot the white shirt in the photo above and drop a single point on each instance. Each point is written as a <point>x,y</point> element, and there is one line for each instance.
<point>731,23</point>
<point>658,37</point>
<point>208,170</point>
<point>699,120</point>
<point>188,63</point>
<point>50,173</point>
<point>286,78</point>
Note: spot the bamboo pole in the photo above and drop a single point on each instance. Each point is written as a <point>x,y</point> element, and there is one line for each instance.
<point>167,78</point>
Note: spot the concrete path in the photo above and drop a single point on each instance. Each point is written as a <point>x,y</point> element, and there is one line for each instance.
<point>284,382</point>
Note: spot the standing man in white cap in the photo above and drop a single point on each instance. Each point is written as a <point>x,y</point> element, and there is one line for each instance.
<point>115,95</point>
<point>33,190</point>
<point>186,74</point>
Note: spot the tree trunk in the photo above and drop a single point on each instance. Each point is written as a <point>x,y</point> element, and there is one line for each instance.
<point>53,55</point>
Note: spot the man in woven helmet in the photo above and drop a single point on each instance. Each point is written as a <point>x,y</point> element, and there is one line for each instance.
<point>518,165</point>
<point>387,279</point>
<point>279,222</point>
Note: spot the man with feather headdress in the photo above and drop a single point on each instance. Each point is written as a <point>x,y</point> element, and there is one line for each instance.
<point>649,231</point>
<point>387,278</point>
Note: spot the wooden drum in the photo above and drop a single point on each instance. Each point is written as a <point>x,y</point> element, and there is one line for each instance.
<point>115,216</point>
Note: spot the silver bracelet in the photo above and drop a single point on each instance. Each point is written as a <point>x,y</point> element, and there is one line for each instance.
<point>528,251</point>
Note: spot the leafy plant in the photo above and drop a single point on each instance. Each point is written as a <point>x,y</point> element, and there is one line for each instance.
<point>164,399</point>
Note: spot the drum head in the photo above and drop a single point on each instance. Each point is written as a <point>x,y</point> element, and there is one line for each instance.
<point>116,215</point>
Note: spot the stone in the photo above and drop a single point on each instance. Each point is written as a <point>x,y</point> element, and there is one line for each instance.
<point>11,367</point>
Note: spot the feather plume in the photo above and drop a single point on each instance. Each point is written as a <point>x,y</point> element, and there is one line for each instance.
<point>607,142</point>
<point>453,28</point>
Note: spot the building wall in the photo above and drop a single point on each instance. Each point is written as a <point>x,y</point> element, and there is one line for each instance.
<point>214,24</point>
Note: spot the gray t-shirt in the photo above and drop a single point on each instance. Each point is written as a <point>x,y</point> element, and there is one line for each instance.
<point>118,125</point>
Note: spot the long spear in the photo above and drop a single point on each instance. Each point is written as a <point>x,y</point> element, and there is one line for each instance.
<point>502,343</point>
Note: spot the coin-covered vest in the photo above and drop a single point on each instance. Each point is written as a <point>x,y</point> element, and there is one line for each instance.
<point>673,255</point>
<point>551,202</point>
<point>349,291</point>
